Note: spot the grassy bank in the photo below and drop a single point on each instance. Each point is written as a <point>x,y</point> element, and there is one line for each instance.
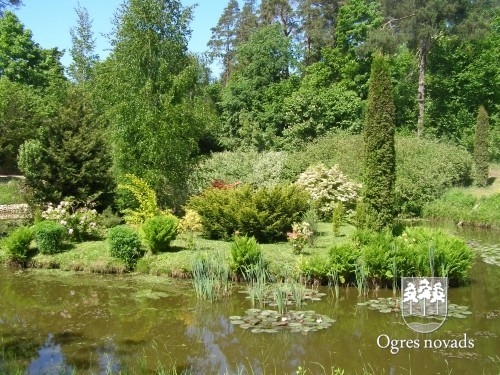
<point>94,257</point>
<point>475,206</point>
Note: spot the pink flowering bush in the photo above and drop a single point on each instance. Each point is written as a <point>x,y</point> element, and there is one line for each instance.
<point>327,186</point>
<point>80,222</point>
<point>298,237</point>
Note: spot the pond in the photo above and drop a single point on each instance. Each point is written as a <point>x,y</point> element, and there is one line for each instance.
<point>53,322</point>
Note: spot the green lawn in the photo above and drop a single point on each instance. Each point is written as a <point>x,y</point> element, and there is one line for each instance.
<point>10,191</point>
<point>94,256</point>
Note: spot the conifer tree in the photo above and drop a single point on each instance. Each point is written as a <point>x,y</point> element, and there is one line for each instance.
<point>380,158</point>
<point>481,156</point>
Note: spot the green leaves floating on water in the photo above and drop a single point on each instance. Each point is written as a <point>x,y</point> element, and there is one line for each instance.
<point>270,321</point>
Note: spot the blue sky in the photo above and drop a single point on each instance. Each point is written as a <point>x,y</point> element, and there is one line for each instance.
<point>51,20</point>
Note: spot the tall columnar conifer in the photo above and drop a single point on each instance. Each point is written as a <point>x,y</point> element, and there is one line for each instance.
<point>481,156</point>
<point>380,158</point>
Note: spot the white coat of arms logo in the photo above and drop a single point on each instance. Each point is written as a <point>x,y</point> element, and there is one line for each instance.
<point>424,302</point>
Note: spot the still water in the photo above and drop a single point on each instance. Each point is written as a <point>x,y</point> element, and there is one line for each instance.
<point>52,322</point>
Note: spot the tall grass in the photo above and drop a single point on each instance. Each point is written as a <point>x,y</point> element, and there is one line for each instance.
<point>211,276</point>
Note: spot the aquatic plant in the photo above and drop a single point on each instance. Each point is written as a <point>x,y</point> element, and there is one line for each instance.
<point>271,321</point>
<point>211,276</point>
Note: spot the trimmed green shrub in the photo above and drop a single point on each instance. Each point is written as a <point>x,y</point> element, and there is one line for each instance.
<point>49,236</point>
<point>245,254</point>
<point>265,213</point>
<point>159,231</point>
<point>379,176</point>
<point>125,244</point>
<point>18,243</point>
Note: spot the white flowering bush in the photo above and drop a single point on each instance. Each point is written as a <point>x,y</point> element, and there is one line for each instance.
<point>327,186</point>
<point>81,222</point>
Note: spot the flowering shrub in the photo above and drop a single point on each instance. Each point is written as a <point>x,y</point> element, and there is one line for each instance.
<point>80,223</point>
<point>327,187</point>
<point>298,237</point>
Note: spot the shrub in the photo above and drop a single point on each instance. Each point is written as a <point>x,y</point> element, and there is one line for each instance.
<point>462,207</point>
<point>18,243</point>
<point>299,236</point>
<point>417,252</point>
<point>315,268</point>
<point>190,222</point>
<point>125,244</point>
<point>80,222</point>
<point>265,213</point>
<point>338,217</point>
<point>245,254</point>
<point>250,167</point>
<point>145,197</point>
<point>159,231</point>
<point>49,236</point>
<point>342,259</point>
<point>380,156</point>
<point>425,168</point>
<point>327,186</point>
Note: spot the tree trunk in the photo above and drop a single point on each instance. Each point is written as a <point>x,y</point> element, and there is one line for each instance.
<point>422,57</point>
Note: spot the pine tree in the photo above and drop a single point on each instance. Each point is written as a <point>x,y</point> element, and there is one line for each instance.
<point>481,156</point>
<point>222,42</point>
<point>380,163</point>
<point>248,22</point>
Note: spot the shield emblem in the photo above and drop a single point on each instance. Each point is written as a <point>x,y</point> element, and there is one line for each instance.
<point>424,302</point>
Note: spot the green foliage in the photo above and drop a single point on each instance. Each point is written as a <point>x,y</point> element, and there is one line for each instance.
<point>21,115</point>
<point>342,261</point>
<point>49,236</point>
<point>211,276</point>
<point>465,208</point>
<point>481,156</point>
<point>314,268</point>
<point>327,186</point>
<point>110,219</point>
<point>311,112</point>
<point>380,158</point>
<point>265,213</point>
<point>81,222</point>
<point>125,244</point>
<point>24,61</point>
<point>18,243</point>
<point>251,167</point>
<point>338,217</point>
<point>70,157</point>
<point>425,170</point>
<point>10,191</point>
<point>417,251</point>
<point>245,254</point>
<point>253,98</point>
<point>150,87</point>
<point>159,231</point>
<point>145,197</point>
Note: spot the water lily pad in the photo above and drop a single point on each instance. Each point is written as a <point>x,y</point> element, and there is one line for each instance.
<point>385,311</point>
<point>237,321</point>
<point>235,317</point>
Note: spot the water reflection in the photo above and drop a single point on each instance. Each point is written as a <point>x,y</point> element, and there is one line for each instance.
<point>50,359</point>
